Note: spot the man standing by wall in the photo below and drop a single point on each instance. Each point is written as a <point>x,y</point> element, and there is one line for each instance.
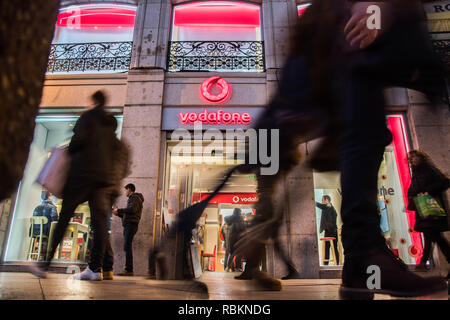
<point>328,224</point>
<point>131,215</point>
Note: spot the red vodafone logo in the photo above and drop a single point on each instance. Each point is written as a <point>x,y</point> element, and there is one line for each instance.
<point>218,98</point>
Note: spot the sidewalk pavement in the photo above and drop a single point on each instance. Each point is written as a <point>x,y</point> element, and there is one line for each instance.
<point>222,286</point>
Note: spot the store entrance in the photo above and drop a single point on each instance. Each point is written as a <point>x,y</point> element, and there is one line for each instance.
<point>190,178</point>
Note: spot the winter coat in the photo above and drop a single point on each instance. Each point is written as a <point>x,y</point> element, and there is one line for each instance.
<point>237,227</point>
<point>328,218</point>
<point>428,179</point>
<point>46,209</point>
<point>93,147</point>
<point>133,212</point>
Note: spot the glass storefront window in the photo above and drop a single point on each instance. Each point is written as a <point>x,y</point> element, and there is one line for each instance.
<point>190,178</point>
<point>396,222</point>
<point>31,204</point>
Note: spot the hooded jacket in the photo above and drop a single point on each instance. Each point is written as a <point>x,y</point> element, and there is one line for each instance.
<point>133,212</point>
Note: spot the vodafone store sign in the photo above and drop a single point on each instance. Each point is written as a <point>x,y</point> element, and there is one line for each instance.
<point>215,117</point>
<point>234,198</point>
<point>222,90</point>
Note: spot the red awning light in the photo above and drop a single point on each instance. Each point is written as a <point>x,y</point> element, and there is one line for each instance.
<point>301,8</point>
<point>217,14</point>
<point>97,18</point>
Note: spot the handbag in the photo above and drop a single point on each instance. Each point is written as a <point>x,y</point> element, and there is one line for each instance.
<point>428,206</point>
<point>53,175</point>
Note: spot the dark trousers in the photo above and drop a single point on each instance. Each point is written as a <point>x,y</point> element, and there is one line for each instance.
<point>404,58</point>
<point>328,246</point>
<point>226,258</point>
<point>100,201</point>
<point>129,230</point>
<point>431,237</point>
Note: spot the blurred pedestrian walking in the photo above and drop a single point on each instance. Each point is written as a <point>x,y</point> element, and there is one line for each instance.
<point>92,177</point>
<point>428,179</point>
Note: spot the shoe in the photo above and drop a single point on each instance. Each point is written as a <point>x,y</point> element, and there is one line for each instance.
<point>244,276</point>
<point>150,277</point>
<point>360,281</point>
<point>291,275</point>
<point>108,275</point>
<point>126,273</point>
<point>38,270</point>
<point>263,281</point>
<point>159,259</point>
<point>88,274</point>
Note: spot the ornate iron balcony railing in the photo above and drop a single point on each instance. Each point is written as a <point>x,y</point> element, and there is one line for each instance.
<point>90,57</point>
<point>216,56</point>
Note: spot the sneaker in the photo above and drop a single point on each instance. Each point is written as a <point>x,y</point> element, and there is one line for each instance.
<point>88,274</point>
<point>38,270</point>
<point>394,278</point>
<point>126,273</point>
<point>108,275</point>
<point>264,281</point>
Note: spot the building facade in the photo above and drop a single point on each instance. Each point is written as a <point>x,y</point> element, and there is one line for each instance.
<point>155,61</point>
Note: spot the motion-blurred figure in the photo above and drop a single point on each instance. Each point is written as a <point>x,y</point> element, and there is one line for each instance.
<point>93,177</point>
<point>427,178</point>
<point>336,78</point>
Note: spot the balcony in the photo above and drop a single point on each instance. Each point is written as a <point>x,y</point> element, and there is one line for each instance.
<point>222,56</point>
<point>100,57</point>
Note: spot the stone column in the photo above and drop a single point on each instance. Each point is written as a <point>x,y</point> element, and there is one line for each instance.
<point>142,124</point>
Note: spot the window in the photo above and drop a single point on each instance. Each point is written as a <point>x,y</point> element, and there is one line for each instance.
<point>396,222</point>
<point>26,243</point>
<point>216,36</point>
<point>92,38</point>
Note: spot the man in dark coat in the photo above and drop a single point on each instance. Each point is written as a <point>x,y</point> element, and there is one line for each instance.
<point>328,224</point>
<point>131,215</point>
<point>92,150</point>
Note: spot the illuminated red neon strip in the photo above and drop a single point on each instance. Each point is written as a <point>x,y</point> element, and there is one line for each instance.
<point>242,15</point>
<point>100,18</point>
<point>396,127</point>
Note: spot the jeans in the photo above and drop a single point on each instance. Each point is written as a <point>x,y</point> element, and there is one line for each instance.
<point>129,230</point>
<point>100,201</point>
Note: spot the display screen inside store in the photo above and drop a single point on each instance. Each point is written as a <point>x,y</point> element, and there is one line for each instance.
<point>35,212</point>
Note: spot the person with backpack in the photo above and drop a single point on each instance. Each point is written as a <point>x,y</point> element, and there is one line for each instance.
<point>131,215</point>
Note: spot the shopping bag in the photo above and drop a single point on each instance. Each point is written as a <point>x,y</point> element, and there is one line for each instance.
<point>54,173</point>
<point>428,206</point>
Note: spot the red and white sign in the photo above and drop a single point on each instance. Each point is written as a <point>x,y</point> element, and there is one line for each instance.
<point>223,87</point>
<point>97,18</point>
<point>215,117</point>
<point>234,198</point>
